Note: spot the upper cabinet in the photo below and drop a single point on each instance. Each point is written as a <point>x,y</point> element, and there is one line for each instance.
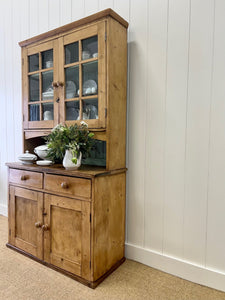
<point>75,73</point>
<point>65,80</point>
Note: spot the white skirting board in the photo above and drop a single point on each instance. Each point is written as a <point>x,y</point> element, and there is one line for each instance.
<point>3,210</point>
<point>177,267</point>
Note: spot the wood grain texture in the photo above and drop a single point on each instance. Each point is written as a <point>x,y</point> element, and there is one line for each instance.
<point>108,222</point>
<point>26,178</point>
<point>25,210</point>
<point>116,94</point>
<point>78,187</point>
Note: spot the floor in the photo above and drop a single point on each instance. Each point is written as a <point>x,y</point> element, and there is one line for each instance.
<point>24,279</point>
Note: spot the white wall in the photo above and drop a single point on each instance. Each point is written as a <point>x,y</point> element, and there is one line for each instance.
<point>176,123</point>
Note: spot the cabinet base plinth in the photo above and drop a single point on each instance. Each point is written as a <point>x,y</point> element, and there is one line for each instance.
<point>91,284</point>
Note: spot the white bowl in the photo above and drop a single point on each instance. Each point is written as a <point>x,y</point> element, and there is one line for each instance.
<point>27,158</point>
<point>41,151</point>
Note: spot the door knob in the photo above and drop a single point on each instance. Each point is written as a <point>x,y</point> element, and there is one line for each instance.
<point>64,185</point>
<point>45,227</point>
<point>37,224</point>
<point>23,177</point>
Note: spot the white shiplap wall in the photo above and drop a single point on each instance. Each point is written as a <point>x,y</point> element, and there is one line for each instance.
<point>176,122</point>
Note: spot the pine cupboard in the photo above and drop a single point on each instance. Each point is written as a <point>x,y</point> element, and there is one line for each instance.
<point>74,221</point>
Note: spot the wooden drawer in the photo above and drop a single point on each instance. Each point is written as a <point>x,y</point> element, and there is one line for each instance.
<point>78,187</point>
<point>26,178</point>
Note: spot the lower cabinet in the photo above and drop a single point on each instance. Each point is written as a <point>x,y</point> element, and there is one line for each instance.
<point>72,223</point>
<point>52,228</point>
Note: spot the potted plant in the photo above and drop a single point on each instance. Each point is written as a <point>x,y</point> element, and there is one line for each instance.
<point>68,144</point>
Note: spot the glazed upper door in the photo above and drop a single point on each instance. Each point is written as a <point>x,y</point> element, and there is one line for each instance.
<point>67,234</point>
<point>83,70</point>
<point>40,73</point>
<point>25,210</point>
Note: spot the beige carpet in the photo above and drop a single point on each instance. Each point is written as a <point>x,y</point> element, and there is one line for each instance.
<point>24,279</point>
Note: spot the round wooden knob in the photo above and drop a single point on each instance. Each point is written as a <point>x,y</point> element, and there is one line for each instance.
<point>23,177</point>
<point>64,185</point>
<point>45,227</point>
<point>55,84</point>
<point>37,224</point>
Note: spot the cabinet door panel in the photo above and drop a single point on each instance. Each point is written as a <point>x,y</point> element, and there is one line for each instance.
<point>40,70</point>
<point>25,211</point>
<point>83,68</point>
<point>67,240</point>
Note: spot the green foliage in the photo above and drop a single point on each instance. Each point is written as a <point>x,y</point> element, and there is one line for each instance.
<point>74,137</point>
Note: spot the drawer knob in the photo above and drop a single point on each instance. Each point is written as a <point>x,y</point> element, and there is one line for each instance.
<point>37,224</point>
<point>64,185</point>
<point>45,227</point>
<point>23,177</point>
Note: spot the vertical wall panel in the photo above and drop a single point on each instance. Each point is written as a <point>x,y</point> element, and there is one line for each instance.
<point>103,4</point>
<point>176,100</point>
<point>216,201</point>
<point>65,11</point>
<point>8,80</point>
<point>122,8</point>
<point>136,164</point>
<point>91,7</point>
<point>42,16</point>
<point>24,20</point>
<point>54,14</point>
<point>33,18</point>
<point>3,135</point>
<point>78,7</point>
<point>16,130</point>
<point>198,119</point>
<point>155,123</point>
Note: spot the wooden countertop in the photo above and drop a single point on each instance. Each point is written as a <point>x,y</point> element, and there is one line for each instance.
<point>83,171</point>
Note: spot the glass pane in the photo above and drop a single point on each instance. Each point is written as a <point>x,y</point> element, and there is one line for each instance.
<point>47,89</point>
<point>71,53</point>
<point>90,109</point>
<point>34,87</point>
<point>47,59</point>
<point>97,155</point>
<point>90,47</point>
<point>73,110</point>
<point>34,113</point>
<point>47,110</point>
<point>72,81</point>
<point>33,61</point>
<point>90,78</point>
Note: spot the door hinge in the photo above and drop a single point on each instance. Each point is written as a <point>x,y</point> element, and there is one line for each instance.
<point>90,218</point>
<point>105,112</point>
<point>105,36</point>
<point>9,231</point>
<point>90,264</point>
<point>44,214</point>
<point>9,197</point>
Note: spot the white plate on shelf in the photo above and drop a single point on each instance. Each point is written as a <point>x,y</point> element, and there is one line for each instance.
<point>44,162</point>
